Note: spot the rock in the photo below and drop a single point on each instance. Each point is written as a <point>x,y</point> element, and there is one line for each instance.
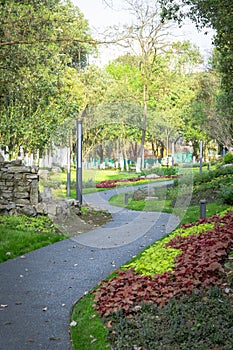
<point>56,170</point>
<point>44,174</point>
<point>152,176</point>
<point>27,210</point>
<point>41,208</point>
<point>139,195</point>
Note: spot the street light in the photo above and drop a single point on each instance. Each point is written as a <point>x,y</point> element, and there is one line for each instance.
<point>79,161</point>
<point>200,156</point>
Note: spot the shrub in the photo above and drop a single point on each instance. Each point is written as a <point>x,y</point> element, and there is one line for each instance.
<point>160,171</point>
<point>228,158</point>
<point>202,321</point>
<point>88,184</point>
<point>226,194</point>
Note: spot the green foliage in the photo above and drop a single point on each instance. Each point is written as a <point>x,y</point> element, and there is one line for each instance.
<point>38,224</point>
<point>39,48</point>
<point>202,321</point>
<point>89,333</point>
<point>163,171</point>
<point>158,258</point>
<point>207,177</point>
<point>193,212</point>
<point>198,124</point>
<point>218,15</point>
<point>206,185</point>
<point>228,158</point>
<point>88,184</point>
<point>226,194</point>
<point>22,234</point>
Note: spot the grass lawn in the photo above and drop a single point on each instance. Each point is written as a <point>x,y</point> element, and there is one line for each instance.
<point>21,234</point>
<point>92,334</point>
<point>91,177</point>
<point>189,214</point>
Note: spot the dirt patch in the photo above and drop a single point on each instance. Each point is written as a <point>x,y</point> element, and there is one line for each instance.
<point>77,224</point>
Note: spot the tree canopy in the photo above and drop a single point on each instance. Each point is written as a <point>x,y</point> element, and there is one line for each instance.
<point>214,13</point>
<point>40,42</point>
<point>218,15</point>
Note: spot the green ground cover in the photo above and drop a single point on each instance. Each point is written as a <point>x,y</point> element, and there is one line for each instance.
<point>21,234</point>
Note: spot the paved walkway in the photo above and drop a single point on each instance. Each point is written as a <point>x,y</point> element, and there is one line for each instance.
<point>38,290</point>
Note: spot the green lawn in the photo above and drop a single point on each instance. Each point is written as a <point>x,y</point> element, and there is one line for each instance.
<point>186,214</point>
<point>90,332</point>
<point>21,234</point>
<point>90,177</point>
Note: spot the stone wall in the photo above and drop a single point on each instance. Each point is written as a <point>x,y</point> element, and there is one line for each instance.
<point>19,193</point>
<point>19,188</point>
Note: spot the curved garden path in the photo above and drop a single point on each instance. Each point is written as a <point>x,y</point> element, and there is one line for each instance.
<point>38,290</point>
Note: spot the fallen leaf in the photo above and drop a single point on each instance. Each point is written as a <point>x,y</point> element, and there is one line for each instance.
<point>54,338</point>
<point>108,324</point>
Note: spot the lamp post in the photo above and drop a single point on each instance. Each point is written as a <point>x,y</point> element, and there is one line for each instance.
<point>79,161</point>
<point>68,171</point>
<point>200,156</point>
<point>173,154</point>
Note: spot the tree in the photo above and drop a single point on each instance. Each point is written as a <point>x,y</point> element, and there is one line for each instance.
<point>119,109</point>
<point>36,49</point>
<point>198,125</point>
<point>221,121</point>
<point>215,13</point>
<point>145,39</point>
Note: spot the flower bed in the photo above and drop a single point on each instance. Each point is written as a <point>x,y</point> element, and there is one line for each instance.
<point>197,266</point>
<point>114,183</point>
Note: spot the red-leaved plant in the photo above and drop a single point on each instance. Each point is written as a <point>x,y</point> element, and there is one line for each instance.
<point>199,266</point>
<point>113,183</point>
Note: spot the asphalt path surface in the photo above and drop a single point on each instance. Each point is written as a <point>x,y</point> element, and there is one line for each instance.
<point>38,290</point>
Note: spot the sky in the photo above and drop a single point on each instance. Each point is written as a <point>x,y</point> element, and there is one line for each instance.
<point>100,16</point>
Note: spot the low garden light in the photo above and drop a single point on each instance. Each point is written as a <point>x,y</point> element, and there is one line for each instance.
<point>202,208</point>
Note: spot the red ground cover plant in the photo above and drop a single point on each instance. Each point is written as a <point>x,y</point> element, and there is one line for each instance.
<point>113,183</point>
<point>200,266</point>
